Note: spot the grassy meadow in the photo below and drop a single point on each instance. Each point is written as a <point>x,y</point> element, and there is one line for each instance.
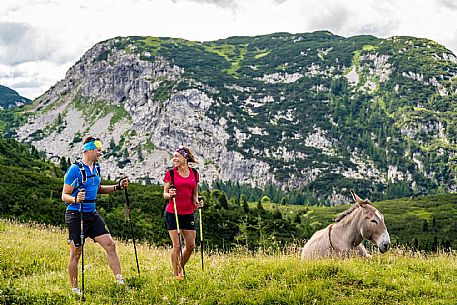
<point>33,261</point>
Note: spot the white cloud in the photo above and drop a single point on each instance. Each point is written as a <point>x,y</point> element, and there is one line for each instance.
<point>41,39</point>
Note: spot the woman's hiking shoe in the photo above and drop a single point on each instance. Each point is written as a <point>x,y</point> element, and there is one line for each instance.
<point>179,277</point>
<point>76,290</point>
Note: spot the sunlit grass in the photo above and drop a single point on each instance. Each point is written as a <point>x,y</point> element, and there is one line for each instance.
<point>33,262</point>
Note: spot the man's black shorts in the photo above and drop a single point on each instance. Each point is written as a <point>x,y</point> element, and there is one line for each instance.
<point>93,226</point>
<point>186,222</point>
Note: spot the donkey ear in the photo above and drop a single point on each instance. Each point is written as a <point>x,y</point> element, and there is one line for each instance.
<point>359,200</point>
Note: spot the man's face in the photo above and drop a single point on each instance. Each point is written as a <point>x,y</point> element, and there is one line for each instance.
<point>95,154</point>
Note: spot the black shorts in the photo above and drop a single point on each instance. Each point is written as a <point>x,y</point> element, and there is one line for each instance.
<point>93,226</point>
<point>186,222</point>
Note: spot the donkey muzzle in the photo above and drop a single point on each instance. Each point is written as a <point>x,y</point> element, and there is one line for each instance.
<point>384,243</point>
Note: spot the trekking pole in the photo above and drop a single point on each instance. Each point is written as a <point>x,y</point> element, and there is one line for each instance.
<point>127,202</point>
<point>201,230</point>
<point>83,298</point>
<point>179,235</point>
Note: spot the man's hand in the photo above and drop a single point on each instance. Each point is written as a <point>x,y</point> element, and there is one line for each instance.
<point>123,183</point>
<point>81,196</point>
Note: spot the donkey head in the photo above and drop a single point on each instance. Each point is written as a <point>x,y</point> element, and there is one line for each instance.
<point>371,224</point>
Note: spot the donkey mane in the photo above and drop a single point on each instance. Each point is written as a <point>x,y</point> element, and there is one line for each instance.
<point>347,212</point>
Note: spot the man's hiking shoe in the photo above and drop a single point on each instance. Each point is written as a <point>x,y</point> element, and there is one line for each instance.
<point>76,290</point>
<point>120,279</point>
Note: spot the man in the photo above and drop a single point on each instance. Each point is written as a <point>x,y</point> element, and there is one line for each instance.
<point>81,186</point>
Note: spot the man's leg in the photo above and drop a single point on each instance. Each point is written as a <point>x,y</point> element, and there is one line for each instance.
<point>107,242</point>
<point>75,254</point>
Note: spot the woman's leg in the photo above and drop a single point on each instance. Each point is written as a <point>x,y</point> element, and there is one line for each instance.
<point>189,240</point>
<point>175,252</point>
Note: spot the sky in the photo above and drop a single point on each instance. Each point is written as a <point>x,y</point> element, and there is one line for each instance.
<point>41,39</point>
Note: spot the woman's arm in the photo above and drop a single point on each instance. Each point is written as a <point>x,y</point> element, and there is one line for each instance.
<point>168,192</point>
<point>195,197</point>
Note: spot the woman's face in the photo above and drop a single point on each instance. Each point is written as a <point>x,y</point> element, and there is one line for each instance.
<point>178,159</point>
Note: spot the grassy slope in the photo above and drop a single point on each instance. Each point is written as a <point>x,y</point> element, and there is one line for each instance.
<point>33,270</point>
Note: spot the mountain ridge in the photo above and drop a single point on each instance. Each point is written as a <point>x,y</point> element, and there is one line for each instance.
<point>311,111</point>
<point>9,98</point>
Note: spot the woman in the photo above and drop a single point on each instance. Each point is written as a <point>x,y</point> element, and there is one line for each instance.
<point>181,183</point>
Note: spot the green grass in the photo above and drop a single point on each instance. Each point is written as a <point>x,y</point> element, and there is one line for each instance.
<point>94,110</point>
<point>369,48</point>
<point>33,262</point>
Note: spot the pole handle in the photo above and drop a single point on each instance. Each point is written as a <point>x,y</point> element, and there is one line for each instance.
<point>172,186</point>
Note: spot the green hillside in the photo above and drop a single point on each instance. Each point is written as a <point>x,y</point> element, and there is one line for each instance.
<point>30,190</point>
<point>11,99</point>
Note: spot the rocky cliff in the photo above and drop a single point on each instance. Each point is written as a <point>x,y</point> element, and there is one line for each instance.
<point>313,111</point>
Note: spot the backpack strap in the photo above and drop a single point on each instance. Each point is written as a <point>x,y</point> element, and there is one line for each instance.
<point>84,176</point>
<point>97,170</point>
<point>80,165</point>
<point>172,175</point>
<point>195,174</point>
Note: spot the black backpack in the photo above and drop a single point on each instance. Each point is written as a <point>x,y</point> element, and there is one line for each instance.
<point>84,176</point>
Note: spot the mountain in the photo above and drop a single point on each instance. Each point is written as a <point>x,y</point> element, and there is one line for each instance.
<point>314,112</point>
<point>11,99</point>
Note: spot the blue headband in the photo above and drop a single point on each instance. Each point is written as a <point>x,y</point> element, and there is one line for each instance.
<point>183,153</point>
<point>92,145</point>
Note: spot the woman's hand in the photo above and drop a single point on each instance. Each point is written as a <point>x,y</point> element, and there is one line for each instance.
<point>199,202</point>
<point>172,192</point>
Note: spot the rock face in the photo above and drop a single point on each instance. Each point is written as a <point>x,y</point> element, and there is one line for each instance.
<point>254,118</point>
<point>125,80</point>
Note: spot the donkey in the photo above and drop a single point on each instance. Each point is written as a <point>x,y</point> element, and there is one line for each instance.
<point>361,221</point>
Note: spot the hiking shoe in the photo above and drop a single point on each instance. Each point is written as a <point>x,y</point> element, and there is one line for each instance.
<point>179,277</point>
<point>120,279</point>
<point>76,290</point>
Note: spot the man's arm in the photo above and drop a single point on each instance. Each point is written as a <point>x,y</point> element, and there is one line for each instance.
<point>105,189</point>
<point>67,194</point>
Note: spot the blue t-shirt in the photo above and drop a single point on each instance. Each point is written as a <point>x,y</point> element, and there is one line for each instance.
<point>74,178</point>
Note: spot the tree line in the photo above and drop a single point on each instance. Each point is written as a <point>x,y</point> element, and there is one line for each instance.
<point>30,191</point>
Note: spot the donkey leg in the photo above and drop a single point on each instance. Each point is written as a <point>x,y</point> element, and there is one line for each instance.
<point>362,251</point>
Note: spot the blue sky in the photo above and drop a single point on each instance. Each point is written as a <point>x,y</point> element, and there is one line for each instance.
<point>41,39</point>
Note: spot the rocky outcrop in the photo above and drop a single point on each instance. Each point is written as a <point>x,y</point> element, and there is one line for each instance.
<point>126,80</point>
<point>267,120</point>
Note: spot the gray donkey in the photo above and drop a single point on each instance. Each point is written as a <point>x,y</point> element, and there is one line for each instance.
<point>361,221</point>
